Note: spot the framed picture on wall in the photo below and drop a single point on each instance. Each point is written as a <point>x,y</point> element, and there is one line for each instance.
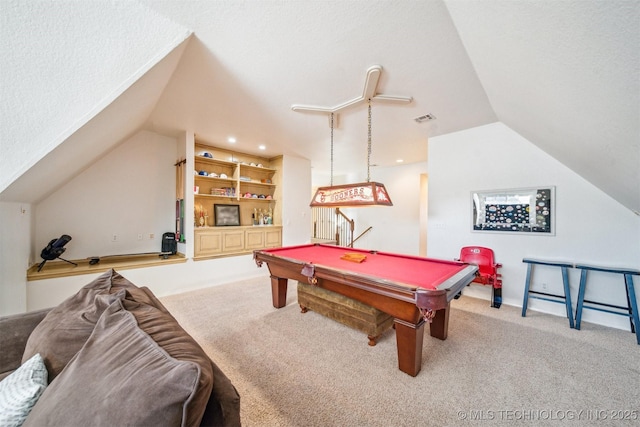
<point>226,215</point>
<point>521,210</point>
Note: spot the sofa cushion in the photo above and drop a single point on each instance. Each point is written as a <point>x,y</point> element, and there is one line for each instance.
<point>165,330</point>
<point>223,408</point>
<point>145,296</point>
<point>14,333</point>
<point>66,328</point>
<point>121,376</point>
<point>20,391</point>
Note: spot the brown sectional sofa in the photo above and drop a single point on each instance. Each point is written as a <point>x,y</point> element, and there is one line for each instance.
<point>115,356</point>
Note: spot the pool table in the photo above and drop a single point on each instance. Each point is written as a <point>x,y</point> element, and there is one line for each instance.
<point>414,290</point>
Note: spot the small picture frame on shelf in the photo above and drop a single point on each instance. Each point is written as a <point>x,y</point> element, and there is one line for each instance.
<point>226,215</point>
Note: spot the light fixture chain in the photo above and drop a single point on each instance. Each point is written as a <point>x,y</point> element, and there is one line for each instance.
<point>331,149</point>
<point>369,143</point>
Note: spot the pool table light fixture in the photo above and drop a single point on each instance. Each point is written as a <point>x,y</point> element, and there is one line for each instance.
<point>351,195</point>
<point>365,193</point>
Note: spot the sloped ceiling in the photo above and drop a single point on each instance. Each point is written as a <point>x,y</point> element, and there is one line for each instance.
<point>118,121</point>
<point>251,61</point>
<point>76,79</point>
<point>565,75</point>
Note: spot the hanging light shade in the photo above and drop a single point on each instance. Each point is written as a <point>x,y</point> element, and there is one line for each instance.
<point>352,195</point>
<point>360,194</point>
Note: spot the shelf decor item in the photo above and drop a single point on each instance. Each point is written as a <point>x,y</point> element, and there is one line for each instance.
<point>226,215</point>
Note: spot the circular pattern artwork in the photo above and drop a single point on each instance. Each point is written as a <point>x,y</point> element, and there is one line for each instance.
<point>510,215</point>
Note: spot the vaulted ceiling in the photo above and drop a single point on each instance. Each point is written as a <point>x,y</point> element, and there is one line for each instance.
<point>563,74</point>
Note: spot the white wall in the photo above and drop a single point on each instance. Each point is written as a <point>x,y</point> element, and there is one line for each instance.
<point>63,62</point>
<point>162,280</point>
<point>296,190</point>
<point>590,226</point>
<point>395,228</point>
<point>15,229</point>
<point>128,192</point>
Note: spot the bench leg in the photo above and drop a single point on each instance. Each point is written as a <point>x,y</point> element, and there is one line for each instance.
<point>527,284</point>
<point>633,306</point>
<point>372,339</point>
<point>581,291</point>
<point>567,295</point>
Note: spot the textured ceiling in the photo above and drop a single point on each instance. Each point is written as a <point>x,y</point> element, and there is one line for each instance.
<point>76,79</point>
<point>250,62</point>
<point>565,75</point>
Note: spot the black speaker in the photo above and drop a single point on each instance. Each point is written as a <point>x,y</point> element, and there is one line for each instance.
<point>169,244</point>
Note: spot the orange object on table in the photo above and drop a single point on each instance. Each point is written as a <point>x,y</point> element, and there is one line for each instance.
<point>353,257</point>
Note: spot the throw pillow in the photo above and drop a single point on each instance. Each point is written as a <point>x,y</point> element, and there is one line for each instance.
<point>66,328</point>
<point>165,330</point>
<point>119,377</point>
<point>20,391</point>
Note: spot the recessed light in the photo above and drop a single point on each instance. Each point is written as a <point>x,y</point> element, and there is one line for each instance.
<point>262,147</point>
<point>231,140</point>
<point>399,161</point>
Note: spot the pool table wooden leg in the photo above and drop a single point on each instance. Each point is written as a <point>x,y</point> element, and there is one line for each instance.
<point>440,324</point>
<point>279,291</point>
<point>409,341</point>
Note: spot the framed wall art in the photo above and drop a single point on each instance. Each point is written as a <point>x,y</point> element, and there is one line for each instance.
<point>521,210</point>
<point>226,215</point>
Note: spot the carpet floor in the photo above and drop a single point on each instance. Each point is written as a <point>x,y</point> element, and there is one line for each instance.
<point>495,367</point>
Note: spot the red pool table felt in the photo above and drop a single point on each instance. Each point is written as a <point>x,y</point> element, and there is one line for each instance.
<point>402,270</point>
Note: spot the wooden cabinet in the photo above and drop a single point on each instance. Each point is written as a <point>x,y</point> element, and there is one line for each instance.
<point>263,237</point>
<point>208,243</point>
<point>223,177</point>
<point>213,242</point>
<point>254,238</point>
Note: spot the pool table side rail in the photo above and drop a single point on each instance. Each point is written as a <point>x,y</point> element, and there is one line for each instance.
<point>402,291</point>
<point>400,305</point>
<point>363,251</point>
<point>458,281</point>
<point>377,285</point>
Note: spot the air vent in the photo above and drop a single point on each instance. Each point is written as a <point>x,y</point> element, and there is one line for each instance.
<point>425,118</point>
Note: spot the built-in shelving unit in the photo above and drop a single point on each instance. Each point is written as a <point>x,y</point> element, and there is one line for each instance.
<point>223,177</point>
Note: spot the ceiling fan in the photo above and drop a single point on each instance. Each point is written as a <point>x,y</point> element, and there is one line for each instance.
<point>369,93</point>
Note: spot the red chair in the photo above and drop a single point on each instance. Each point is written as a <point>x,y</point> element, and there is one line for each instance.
<point>487,270</point>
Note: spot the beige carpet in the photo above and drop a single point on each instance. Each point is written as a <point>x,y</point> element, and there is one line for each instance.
<point>495,368</point>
